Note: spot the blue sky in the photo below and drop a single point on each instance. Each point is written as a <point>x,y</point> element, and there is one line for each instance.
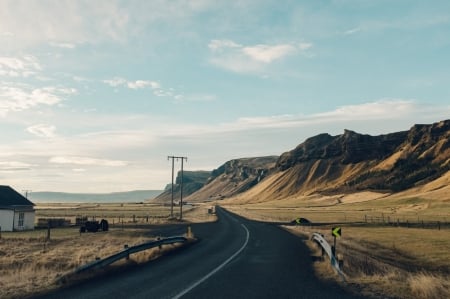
<point>94,95</point>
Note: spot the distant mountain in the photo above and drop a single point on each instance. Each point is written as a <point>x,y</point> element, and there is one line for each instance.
<point>231,178</point>
<point>192,182</point>
<point>61,197</point>
<point>234,177</point>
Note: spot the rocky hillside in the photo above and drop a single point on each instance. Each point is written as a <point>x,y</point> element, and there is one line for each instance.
<point>192,181</point>
<point>234,177</point>
<point>325,164</point>
<point>353,162</point>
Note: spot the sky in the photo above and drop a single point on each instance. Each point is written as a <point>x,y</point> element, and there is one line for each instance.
<point>95,95</point>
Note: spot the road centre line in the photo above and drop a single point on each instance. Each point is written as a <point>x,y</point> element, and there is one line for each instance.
<point>218,268</point>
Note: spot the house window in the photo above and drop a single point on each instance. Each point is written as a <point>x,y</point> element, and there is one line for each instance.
<point>21,219</point>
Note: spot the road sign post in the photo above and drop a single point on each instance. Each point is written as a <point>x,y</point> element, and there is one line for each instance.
<point>335,232</point>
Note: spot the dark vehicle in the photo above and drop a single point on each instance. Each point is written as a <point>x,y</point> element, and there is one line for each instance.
<point>299,221</point>
<point>94,226</point>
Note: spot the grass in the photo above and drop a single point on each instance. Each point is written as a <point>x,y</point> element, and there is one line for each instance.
<point>30,264</point>
<point>379,261</point>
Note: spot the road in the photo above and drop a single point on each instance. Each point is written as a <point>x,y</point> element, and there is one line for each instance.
<point>235,258</point>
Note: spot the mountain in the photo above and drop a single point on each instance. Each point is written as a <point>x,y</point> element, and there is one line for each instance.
<point>346,163</point>
<point>234,177</point>
<point>353,162</point>
<point>61,197</point>
<point>192,181</point>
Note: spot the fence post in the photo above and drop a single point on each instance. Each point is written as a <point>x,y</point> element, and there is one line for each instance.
<point>48,230</point>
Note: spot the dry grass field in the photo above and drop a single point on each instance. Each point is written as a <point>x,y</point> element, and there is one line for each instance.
<point>29,263</point>
<point>380,260</point>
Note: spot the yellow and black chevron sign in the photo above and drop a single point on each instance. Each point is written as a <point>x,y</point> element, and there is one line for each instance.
<point>336,231</point>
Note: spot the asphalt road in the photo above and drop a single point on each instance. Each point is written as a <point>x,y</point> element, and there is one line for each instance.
<point>235,258</point>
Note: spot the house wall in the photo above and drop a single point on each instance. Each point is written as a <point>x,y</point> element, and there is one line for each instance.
<point>28,221</point>
<point>6,220</point>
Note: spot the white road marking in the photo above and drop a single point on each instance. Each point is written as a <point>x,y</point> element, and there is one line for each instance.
<point>218,268</point>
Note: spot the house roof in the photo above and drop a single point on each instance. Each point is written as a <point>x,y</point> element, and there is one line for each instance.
<point>10,197</point>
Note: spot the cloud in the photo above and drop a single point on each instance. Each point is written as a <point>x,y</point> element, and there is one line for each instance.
<point>22,98</point>
<point>76,160</point>
<point>155,86</point>
<point>19,67</point>
<point>116,81</point>
<point>138,84</point>
<point>42,130</point>
<point>14,166</point>
<point>383,109</point>
<point>235,57</point>
<point>143,84</point>
<point>352,31</point>
<point>63,45</point>
<point>267,54</point>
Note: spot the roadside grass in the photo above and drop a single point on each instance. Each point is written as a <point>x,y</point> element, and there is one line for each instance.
<point>380,261</point>
<point>388,262</point>
<point>332,209</point>
<point>31,264</point>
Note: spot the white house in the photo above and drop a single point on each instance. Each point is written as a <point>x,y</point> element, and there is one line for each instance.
<point>16,211</point>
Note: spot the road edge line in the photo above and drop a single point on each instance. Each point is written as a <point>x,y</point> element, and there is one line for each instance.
<point>218,268</point>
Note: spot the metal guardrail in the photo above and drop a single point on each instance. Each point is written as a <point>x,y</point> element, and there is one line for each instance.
<point>327,248</point>
<point>125,254</point>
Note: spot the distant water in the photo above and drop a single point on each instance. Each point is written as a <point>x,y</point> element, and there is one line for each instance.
<point>62,197</point>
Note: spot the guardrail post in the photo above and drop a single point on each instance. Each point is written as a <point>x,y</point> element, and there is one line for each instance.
<point>128,254</point>
<point>327,248</point>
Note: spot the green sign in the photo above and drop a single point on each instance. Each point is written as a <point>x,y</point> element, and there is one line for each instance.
<point>336,231</point>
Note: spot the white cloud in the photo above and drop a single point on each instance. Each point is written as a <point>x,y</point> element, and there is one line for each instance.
<point>14,166</point>
<point>381,109</point>
<point>116,81</point>
<point>42,130</point>
<point>235,57</point>
<point>33,23</point>
<point>384,109</point>
<point>19,67</point>
<point>352,31</point>
<point>20,98</point>
<point>219,44</point>
<point>143,84</point>
<point>155,86</point>
<point>63,45</point>
<point>138,84</point>
<point>76,160</point>
<point>267,54</point>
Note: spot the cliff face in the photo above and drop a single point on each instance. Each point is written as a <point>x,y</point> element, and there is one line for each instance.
<point>234,177</point>
<point>352,161</point>
<point>192,181</point>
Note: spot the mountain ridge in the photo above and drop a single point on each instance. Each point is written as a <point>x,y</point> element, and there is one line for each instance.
<point>343,164</point>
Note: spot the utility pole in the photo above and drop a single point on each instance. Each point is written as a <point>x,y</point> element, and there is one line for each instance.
<point>181,184</point>
<point>171,203</point>
<point>26,193</point>
<point>181,188</point>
